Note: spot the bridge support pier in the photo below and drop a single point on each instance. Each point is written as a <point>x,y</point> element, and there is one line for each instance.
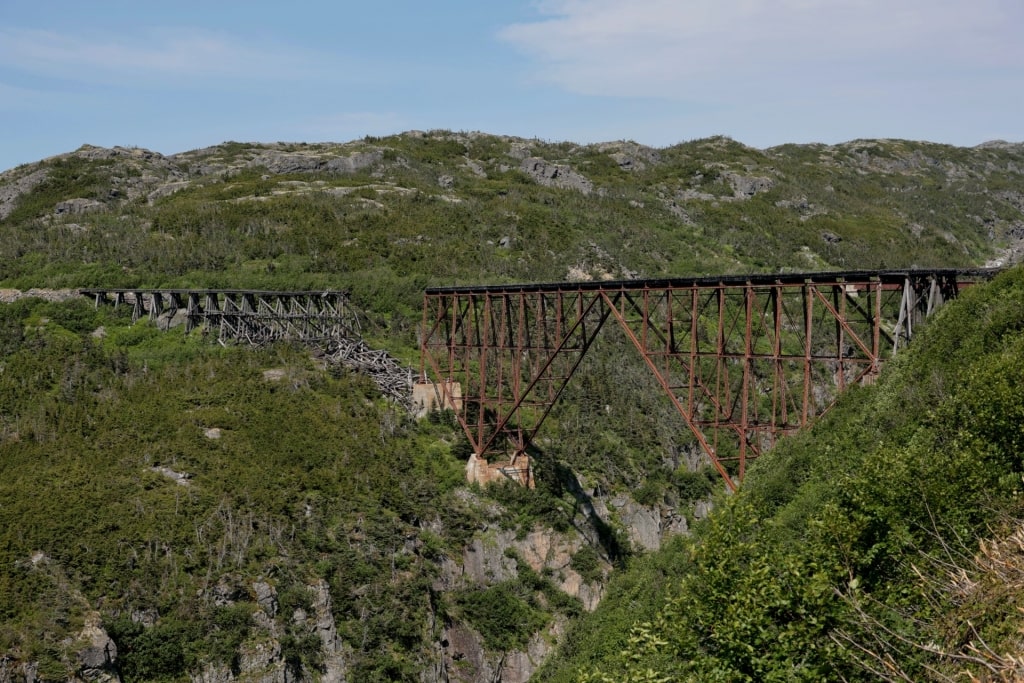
<point>518,470</point>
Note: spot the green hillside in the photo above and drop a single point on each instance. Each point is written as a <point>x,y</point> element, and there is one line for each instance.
<point>259,514</point>
<point>447,208</point>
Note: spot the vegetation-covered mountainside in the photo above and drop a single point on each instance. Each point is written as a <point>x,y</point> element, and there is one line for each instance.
<point>171,509</point>
<point>385,216</point>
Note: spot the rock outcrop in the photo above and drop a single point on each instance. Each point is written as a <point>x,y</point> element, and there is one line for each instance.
<point>13,185</point>
<point>8,296</point>
<point>335,661</point>
<point>281,162</point>
<point>555,175</point>
<point>97,661</point>
<point>744,187</point>
<point>494,557</point>
<point>466,660</point>
<point>261,658</point>
<point>631,156</point>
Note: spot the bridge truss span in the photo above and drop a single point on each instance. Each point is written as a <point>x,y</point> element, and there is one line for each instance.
<point>744,360</point>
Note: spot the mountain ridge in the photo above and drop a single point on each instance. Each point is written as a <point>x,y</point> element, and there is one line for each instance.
<point>800,202</point>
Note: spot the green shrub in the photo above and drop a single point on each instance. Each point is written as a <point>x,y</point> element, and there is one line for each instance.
<point>504,619</point>
<point>694,485</point>
<point>587,563</point>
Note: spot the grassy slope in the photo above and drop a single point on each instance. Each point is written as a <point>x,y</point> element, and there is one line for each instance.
<point>836,555</point>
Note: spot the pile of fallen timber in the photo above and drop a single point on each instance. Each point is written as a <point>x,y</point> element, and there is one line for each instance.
<point>394,380</point>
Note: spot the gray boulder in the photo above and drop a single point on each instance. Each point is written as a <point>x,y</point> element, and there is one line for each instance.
<point>74,206</point>
<point>555,175</point>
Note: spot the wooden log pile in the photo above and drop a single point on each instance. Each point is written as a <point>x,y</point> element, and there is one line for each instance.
<point>394,379</point>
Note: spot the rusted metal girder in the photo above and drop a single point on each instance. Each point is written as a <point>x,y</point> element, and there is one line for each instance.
<point>743,359</point>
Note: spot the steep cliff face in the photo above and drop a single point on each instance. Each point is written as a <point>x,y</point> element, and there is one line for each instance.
<point>499,557</point>
<point>494,559</point>
<point>459,652</point>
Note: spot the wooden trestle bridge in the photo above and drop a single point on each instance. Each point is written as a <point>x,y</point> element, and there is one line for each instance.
<point>324,320</point>
<point>743,359</point>
<point>254,317</point>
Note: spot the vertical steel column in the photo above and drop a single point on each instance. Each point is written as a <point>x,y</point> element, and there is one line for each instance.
<point>522,343</point>
<point>748,312</point>
<point>876,330</point>
<point>694,330</point>
<point>483,329</point>
<point>779,397</point>
<point>455,303</point>
<point>502,345</point>
<point>425,337</point>
<point>808,296</point>
<point>840,296</point>
<point>722,370</point>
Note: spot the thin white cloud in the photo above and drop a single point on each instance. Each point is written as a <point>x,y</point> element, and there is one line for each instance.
<point>154,54</point>
<point>713,49</point>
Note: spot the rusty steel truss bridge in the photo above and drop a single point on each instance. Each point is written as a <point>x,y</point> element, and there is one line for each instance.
<point>744,360</point>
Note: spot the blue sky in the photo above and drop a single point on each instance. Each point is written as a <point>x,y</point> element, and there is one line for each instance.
<point>175,76</point>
